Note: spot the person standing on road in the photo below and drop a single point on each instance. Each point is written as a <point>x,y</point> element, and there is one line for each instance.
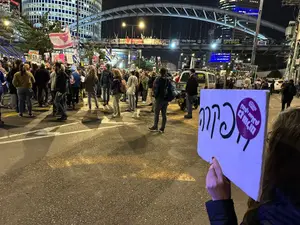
<point>42,77</point>
<point>163,93</point>
<point>23,81</point>
<point>144,81</point>
<point>75,86</point>
<point>61,90</point>
<point>91,82</point>
<point>280,198</point>
<point>191,93</point>
<point>106,82</point>
<point>272,87</point>
<point>131,93</point>
<point>288,92</point>
<point>12,89</point>
<point>116,92</point>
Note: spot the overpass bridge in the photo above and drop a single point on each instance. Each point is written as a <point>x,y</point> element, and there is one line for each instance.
<point>186,11</point>
<point>268,49</point>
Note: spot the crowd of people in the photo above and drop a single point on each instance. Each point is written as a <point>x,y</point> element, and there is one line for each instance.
<point>67,86</point>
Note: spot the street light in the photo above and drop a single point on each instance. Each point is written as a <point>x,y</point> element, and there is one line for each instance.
<point>6,23</point>
<point>142,25</point>
<point>181,54</point>
<point>214,46</point>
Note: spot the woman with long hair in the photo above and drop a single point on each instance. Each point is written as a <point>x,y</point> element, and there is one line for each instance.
<point>23,81</point>
<point>131,93</point>
<point>116,92</point>
<point>280,200</point>
<point>12,89</point>
<point>91,81</point>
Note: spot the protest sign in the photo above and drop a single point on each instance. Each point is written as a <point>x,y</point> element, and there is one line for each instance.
<point>232,128</point>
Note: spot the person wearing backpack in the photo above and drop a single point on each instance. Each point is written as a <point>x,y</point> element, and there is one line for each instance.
<point>288,92</point>
<point>163,93</point>
<point>106,82</point>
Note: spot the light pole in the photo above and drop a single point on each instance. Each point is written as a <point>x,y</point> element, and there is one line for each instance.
<point>141,25</point>
<point>78,36</point>
<point>261,5</point>
<point>180,61</point>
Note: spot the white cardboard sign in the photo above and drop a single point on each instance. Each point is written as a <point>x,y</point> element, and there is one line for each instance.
<point>232,128</point>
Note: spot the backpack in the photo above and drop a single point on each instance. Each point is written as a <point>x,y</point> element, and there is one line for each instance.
<point>123,86</point>
<point>170,93</point>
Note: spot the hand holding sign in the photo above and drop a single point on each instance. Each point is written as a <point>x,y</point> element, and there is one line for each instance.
<point>217,185</point>
<point>232,128</point>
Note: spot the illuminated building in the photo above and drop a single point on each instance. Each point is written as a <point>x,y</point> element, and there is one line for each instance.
<point>65,12</point>
<point>248,7</point>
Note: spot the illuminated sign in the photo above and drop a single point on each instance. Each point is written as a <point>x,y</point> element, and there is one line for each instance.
<point>247,11</point>
<point>220,57</point>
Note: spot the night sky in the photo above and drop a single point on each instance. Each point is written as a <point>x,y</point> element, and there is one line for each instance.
<point>172,27</point>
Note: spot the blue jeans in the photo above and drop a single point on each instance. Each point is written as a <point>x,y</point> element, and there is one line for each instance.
<point>59,102</point>
<point>25,95</point>
<point>160,106</point>
<point>106,94</point>
<point>189,103</point>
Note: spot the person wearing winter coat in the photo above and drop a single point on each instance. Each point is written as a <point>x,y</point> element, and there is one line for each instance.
<point>91,82</point>
<point>280,199</point>
<point>116,92</point>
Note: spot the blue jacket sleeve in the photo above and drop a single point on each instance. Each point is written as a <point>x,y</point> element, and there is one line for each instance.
<point>221,212</point>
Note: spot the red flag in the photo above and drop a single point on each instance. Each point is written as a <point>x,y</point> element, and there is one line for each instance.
<point>61,40</point>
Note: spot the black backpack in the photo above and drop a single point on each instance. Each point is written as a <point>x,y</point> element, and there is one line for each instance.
<point>170,93</point>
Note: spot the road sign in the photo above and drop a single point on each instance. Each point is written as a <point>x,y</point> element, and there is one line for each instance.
<point>232,128</point>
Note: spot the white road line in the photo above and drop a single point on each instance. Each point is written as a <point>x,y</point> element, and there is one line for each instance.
<point>57,134</point>
<point>39,130</point>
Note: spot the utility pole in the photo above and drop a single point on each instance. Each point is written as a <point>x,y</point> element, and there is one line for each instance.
<point>78,35</point>
<point>261,5</point>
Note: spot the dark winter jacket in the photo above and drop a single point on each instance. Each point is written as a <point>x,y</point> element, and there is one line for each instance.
<point>42,77</point>
<point>192,85</point>
<point>280,211</point>
<point>160,88</point>
<point>151,82</point>
<point>91,83</point>
<point>116,87</point>
<point>2,80</point>
<point>61,82</point>
<point>106,79</point>
<point>288,92</point>
<point>9,78</point>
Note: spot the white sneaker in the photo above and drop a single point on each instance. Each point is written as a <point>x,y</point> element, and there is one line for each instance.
<point>144,102</point>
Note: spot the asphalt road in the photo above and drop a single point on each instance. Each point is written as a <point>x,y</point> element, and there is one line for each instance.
<point>97,170</point>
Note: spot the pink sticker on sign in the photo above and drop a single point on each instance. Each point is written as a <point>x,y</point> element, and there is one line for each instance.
<point>248,118</point>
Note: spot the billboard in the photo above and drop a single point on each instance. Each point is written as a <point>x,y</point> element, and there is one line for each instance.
<point>220,57</point>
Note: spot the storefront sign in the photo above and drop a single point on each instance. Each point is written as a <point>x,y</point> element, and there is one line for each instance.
<point>232,128</point>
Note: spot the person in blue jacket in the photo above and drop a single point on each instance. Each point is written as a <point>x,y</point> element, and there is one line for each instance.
<point>280,200</point>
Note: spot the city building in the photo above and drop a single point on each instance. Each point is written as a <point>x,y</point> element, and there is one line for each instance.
<point>65,12</point>
<point>248,7</point>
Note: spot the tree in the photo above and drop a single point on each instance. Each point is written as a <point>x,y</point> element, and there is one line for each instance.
<point>36,37</point>
<point>90,50</point>
<point>144,64</point>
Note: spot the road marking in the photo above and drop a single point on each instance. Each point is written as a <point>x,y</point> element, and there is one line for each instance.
<point>39,130</point>
<point>146,170</point>
<point>57,134</point>
<point>10,114</point>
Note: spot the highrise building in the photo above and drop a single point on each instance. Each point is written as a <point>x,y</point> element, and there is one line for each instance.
<point>248,7</point>
<point>65,12</point>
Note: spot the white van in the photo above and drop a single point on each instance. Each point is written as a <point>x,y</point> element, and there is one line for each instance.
<point>206,80</point>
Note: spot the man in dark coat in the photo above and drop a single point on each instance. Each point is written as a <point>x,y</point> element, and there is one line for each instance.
<point>42,77</point>
<point>191,93</point>
<point>288,92</point>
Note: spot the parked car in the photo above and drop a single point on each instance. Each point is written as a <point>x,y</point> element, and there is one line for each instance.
<point>277,85</point>
<point>207,80</point>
